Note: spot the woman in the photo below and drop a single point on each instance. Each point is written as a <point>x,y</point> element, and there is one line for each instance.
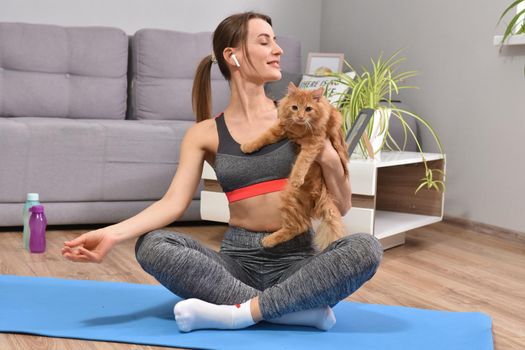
<point>244,282</point>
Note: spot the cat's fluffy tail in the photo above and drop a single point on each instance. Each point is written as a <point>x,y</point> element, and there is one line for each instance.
<point>325,235</point>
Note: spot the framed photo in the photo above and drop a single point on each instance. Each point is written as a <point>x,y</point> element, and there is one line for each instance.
<point>321,63</point>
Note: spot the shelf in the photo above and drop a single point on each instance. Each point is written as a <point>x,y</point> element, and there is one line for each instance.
<point>388,223</point>
<point>511,40</point>
<point>392,158</point>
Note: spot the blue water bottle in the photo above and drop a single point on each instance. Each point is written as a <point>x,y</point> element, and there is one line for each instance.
<point>32,199</point>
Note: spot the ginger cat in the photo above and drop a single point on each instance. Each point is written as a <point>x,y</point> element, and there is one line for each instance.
<point>307,118</point>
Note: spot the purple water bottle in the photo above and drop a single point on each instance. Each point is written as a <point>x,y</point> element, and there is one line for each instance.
<point>37,227</point>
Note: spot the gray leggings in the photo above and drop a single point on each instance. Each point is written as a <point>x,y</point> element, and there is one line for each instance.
<point>289,277</point>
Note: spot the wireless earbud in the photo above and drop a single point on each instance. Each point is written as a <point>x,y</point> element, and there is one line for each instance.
<point>235,60</point>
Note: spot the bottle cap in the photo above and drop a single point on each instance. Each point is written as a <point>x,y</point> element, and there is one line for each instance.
<point>37,209</point>
<point>32,196</point>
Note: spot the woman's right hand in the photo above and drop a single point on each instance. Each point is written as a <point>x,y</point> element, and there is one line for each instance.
<point>91,246</point>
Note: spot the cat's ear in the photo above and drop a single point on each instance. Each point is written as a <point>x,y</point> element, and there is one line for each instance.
<point>318,93</point>
<point>291,87</point>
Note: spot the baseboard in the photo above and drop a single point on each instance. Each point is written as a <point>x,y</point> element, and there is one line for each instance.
<point>485,228</point>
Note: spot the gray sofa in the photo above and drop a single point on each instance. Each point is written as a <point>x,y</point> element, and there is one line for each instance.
<point>92,119</point>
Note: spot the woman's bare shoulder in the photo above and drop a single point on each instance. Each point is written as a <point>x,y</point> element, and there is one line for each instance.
<point>204,134</point>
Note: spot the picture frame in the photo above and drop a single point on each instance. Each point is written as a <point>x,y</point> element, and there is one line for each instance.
<point>320,63</point>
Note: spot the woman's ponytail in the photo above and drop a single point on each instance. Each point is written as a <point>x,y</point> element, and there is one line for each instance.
<point>201,92</point>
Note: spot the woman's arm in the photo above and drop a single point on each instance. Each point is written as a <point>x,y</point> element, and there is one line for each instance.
<point>333,174</point>
<point>159,214</point>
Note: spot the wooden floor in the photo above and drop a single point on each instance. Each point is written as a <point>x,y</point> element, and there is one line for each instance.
<point>442,266</point>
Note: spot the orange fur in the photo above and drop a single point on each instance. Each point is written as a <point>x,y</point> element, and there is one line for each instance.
<point>306,196</point>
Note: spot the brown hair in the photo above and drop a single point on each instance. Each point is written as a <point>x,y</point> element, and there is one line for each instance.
<point>231,32</point>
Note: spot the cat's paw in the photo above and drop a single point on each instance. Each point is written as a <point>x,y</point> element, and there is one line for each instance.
<point>248,148</point>
<point>269,241</point>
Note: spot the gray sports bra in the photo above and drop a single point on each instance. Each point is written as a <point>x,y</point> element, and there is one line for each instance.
<point>246,175</point>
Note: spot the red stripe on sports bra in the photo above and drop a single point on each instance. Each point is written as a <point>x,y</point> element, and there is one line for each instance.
<point>217,116</point>
<point>256,189</point>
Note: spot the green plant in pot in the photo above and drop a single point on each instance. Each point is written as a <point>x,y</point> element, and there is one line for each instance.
<point>515,26</point>
<point>374,89</point>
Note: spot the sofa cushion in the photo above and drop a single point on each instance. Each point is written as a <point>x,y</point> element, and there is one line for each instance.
<point>88,160</point>
<point>67,72</point>
<point>163,64</point>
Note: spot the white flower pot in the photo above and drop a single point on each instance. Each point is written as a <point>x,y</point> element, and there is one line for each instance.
<point>380,123</point>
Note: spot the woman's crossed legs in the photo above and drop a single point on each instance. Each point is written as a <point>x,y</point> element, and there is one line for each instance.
<point>215,283</point>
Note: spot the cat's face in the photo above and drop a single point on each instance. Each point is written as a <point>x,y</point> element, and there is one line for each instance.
<point>302,108</point>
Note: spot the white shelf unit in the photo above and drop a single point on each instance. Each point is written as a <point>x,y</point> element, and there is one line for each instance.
<point>383,199</point>
<point>388,223</point>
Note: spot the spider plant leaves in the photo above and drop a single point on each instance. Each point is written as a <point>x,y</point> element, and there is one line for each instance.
<point>511,6</point>
<point>511,27</point>
<point>430,182</point>
<point>374,86</point>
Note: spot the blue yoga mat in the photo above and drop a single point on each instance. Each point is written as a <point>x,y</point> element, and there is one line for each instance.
<point>143,314</point>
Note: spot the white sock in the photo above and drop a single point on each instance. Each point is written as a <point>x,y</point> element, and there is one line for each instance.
<point>320,317</point>
<point>193,313</point>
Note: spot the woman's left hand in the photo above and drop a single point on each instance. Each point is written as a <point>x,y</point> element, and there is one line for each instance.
<point>327,154</point>
<point>336,181</point>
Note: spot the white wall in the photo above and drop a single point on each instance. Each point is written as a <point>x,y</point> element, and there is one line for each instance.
<point>299,18</point>
<point>473,96</point>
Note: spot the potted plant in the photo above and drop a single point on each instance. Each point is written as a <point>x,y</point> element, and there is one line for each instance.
<point>374,89</point>
<point>516,25</point>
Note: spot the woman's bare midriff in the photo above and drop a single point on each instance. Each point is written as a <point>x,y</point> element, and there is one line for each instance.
<point>259,213</point>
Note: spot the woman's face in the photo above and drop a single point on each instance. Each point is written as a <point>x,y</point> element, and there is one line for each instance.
<point>264,52</point>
